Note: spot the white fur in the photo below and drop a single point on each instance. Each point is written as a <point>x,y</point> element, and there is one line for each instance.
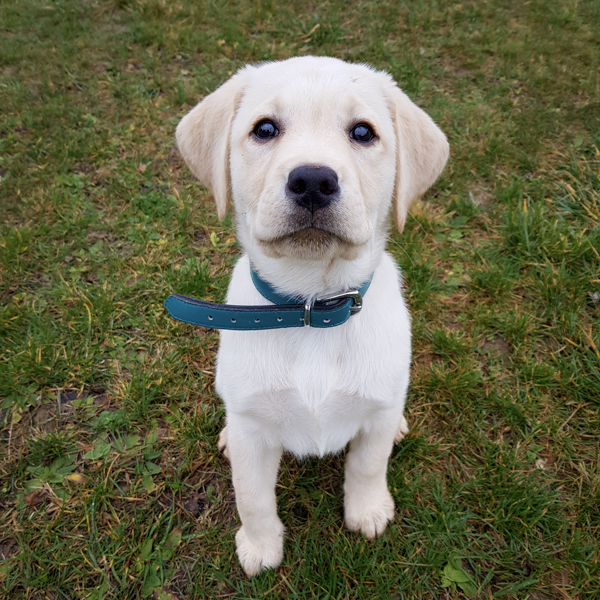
<point>308,390</point>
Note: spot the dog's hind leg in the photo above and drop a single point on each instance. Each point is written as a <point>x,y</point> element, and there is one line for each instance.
<point>222,442</point>
<point>401,432</point>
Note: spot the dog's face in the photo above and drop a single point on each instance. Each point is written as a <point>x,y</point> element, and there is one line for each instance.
<point>312,158</point>
<point>314,150</point>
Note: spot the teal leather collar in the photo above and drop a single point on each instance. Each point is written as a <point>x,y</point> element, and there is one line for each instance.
<point>286,311</point>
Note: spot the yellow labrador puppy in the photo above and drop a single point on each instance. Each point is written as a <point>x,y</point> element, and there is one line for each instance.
<point>314,153</point>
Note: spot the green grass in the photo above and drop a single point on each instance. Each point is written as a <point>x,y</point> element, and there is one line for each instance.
<point>111,485</point>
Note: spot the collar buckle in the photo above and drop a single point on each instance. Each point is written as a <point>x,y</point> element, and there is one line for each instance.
<point>351,294</point>
<point>354,295</point>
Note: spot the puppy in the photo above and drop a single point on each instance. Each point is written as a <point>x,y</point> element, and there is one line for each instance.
<point>314,152</point>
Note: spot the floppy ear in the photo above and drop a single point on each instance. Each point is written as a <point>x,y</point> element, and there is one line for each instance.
<point>203,138</point>
<point>422,152</point>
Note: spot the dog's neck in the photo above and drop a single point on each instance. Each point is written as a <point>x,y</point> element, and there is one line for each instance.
<point>313,279</point>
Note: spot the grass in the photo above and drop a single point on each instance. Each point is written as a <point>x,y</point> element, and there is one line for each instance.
<point>111,485</point>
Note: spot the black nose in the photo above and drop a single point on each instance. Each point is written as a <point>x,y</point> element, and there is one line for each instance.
<point>313,187</point>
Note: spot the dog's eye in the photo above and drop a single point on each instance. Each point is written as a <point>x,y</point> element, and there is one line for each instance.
<point>362,133</point>
<point>265,129</point>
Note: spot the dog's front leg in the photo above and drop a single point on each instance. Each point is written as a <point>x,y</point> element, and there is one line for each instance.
<point>368,504</point>
<point>254,467</point>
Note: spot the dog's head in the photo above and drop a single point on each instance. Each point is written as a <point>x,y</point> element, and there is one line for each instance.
<point>314,152</point>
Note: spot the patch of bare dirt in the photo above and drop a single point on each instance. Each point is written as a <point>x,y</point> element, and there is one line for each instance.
<point>95,236</point>
<point>452,323</point>
<point>200,237</point>
<point>539,596</point>
<point>194,504</point>
<point>43,418</point>
<point>8,548</point>
<point>423,362</point>
<point>481,196</point>
<point>40,280</point>
<point>99,67</point>
<point>496,346</point>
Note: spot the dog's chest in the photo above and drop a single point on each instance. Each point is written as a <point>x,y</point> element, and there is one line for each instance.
<point>310,390</point>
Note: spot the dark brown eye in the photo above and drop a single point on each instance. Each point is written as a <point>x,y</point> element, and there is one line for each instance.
<point>362,133</point>
<point>265,129</point>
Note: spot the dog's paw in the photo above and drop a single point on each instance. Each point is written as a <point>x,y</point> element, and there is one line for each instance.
<point>222,442</point>
<point>369,516</point>
<point>254,556</point>
<point>402,430</point>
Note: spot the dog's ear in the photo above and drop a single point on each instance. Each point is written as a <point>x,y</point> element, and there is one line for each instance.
<point>203,138</point>
<point>422,152</point>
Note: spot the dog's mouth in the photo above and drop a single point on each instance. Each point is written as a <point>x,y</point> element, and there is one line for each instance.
<point>310,243</point>
<point>309,236</point>
<point>310,228</point>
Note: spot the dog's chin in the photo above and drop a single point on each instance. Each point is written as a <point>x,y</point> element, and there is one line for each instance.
<point>310,244</point>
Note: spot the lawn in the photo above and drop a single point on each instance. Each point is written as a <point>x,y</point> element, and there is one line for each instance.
<point>111,484</point>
